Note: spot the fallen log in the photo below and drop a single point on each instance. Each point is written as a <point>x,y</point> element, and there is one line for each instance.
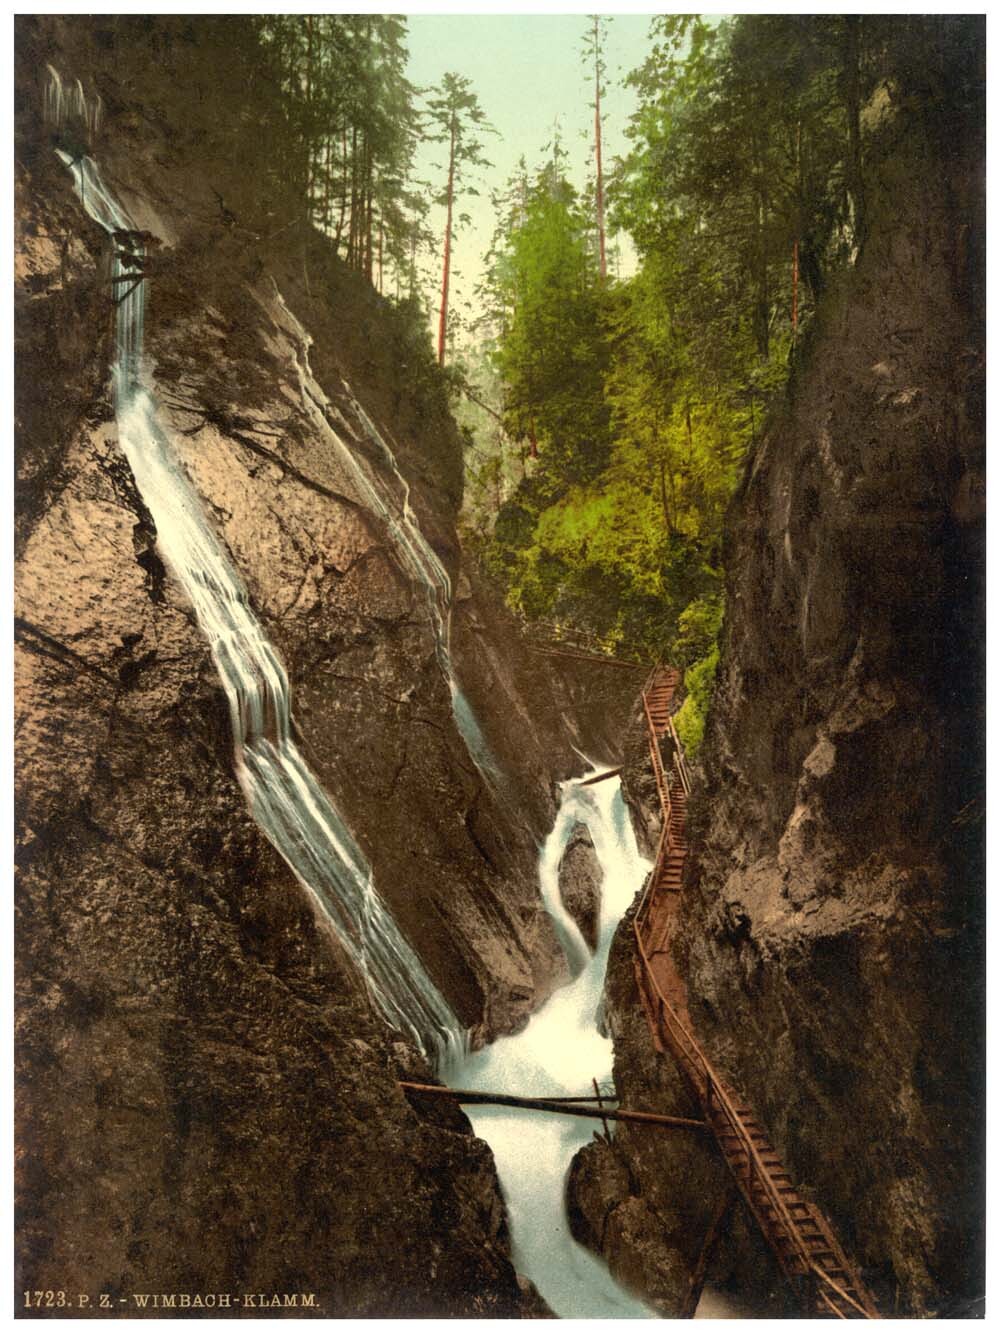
<point>471,1098</point>
<point>599,777</point>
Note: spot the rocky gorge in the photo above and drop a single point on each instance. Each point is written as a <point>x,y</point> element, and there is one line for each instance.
<point>831,924</point>
<point>193,1043</point>
<point>207,1096</point>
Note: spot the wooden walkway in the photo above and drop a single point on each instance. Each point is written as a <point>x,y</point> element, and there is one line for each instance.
<point>796,1230</point>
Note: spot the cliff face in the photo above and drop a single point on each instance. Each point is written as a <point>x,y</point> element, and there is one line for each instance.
<point>648,1201</point>
<point>207,1100</point>
<point>831,931</point>
<point>831,920</point>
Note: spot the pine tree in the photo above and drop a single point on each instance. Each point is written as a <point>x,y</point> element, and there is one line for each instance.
<point>593,52</point>
<point>458,120</point>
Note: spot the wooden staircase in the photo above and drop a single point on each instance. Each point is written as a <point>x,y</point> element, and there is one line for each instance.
<point>796,1230</point>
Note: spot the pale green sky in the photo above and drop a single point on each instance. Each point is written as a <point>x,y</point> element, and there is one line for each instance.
<point>527,70</point>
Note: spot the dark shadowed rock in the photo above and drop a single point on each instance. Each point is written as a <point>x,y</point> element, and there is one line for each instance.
<point>646,1201</point>
<point>831,929</point>
<point>580,878</point>
<point>832,924</point>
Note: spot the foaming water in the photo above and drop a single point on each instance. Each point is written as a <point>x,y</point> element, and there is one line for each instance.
<point>557,1054</point>
<point>284,796</point>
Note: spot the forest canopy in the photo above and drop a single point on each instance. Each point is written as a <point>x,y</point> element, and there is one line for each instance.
<point>608,417</point>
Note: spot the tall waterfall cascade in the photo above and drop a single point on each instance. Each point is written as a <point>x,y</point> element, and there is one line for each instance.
<point>284,796</point>
<point>415,553</point>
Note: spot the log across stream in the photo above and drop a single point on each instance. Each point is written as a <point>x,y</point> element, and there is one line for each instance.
<point>556,1056</point>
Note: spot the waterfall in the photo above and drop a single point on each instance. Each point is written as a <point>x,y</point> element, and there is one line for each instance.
<point>283,795</point>
<point>63,105</point>
<point>557,1054</point>
<point>414,551</point>
<point>465,718</point>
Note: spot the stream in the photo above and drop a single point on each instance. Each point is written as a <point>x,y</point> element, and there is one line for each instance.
<point>557,1055</point>
<point>560,1050</point>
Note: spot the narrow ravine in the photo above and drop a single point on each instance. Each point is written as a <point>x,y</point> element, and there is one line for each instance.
<point>557,1054</point>
<point>561,1048</point>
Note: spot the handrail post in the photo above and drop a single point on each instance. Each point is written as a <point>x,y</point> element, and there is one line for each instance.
<point>720,1110</point>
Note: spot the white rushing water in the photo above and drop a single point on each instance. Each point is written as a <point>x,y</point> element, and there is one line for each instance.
<point>64,104</point>
<point>284,796</point>
<point>557,1054</point>
<point>415,553</point>
<point>561,1049</point>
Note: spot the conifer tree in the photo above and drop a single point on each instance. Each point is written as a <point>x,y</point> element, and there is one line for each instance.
<point>457,120</point>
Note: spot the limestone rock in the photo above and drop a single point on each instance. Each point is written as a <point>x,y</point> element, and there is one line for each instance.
<point>580,878</point>
<point>832,931</point>
<point>207,1100</point>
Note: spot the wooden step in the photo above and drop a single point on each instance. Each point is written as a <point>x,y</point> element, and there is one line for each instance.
<point>790,1224</point>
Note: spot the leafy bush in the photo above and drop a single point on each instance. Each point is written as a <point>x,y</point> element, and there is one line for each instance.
<point>690,721</point>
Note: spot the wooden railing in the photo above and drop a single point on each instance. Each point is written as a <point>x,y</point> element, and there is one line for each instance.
<point>663,790</point>
<point>756,1183</point>
<point>552,639</point>
<point>718,1103</point>
<point>683,771</point>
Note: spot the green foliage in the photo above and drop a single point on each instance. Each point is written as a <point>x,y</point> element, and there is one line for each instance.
<point>551,353</point>
<point>457,119</point>
<point>690,720</point>
<point>347,124</point>
<point>698,629</point>
<point>454,117</point>
<point>696,648</point>
<point>743,190</point>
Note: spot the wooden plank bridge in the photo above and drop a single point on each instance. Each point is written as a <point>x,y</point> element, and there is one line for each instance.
<point>796,1230</point>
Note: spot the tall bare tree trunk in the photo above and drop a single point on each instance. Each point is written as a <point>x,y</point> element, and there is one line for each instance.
<point>597,145</point>
<point>309,118</point>
<point>326,186</point>
<point>795,286</point>
<point>381,236</point>
<point>798,215</point>
<point>443,318</point>
<point>369,249</point>
<point>352,236</point>
<point>343,193</point>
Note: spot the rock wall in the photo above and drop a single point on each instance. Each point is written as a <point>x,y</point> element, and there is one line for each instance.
<point>648,1200</point>
<point>206,1099</point>
<point>831,929</point>
<point>580,882</point>
<point>832,920</point>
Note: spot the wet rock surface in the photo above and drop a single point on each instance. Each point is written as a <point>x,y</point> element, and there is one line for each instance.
<point>831,930</point>
<point>207,1100</point>
<point>580,877</point>
<point>646,1202</point>
<point>832,923</point>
